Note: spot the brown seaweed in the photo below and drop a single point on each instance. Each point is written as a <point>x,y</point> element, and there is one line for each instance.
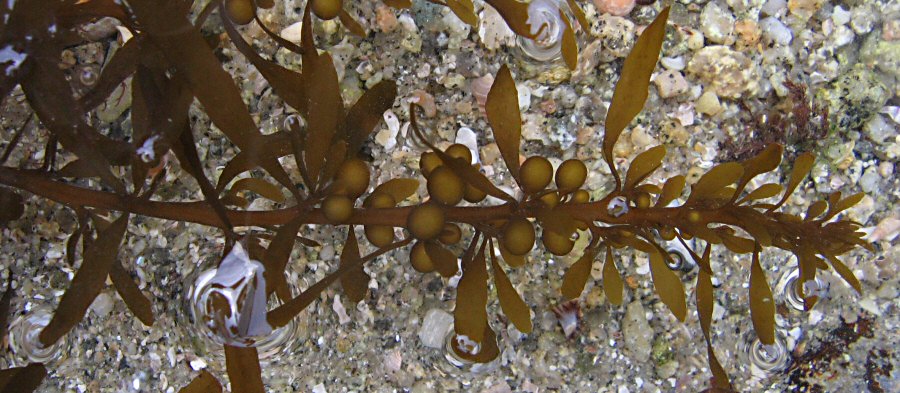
<point>172,63</point>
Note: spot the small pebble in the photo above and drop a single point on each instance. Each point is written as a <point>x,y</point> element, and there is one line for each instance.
<point>878,129</point>
<point>886,169</point>
<point>615,7</point>
<point>671,83</point>
<point>891,30</point>
<point>886,230</point>
<point>493,30</point>
<point>840,16</point>
<point>728,72</point>
<point>748,33</point>
<point>637,331</point>
<point>717,24</point>
<point>617,35</point>
<point>384,17</point>
<point>774,7</point>
<point>435,326</point>
<point>869,180</point>
<point>292,33</point>
<point>776,31</point>
<point>393,360</point>
<point>708,104</point>
<point>102,305</point>
<point>804,9</point>
<point>673,63</point>
<point>641,139</point>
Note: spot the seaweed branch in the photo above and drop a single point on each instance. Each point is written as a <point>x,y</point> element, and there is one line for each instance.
<point>172,63</point>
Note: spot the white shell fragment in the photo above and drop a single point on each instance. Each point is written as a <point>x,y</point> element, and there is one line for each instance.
<point>465,136</point>
<point>146,152</point>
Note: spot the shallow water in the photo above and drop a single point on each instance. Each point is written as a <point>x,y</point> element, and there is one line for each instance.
<point>721,77</point>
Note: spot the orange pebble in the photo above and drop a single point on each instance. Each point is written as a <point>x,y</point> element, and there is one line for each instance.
<point>615,7</point>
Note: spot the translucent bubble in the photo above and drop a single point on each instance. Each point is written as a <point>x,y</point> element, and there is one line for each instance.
<point>293,121</point>
<point>617,206</point>
<point>789,286</point>
<point>88,75</point>
<point>457,365</point>
<point>24,338</point>
<point>765,360</point>
<point>228,306</point>
<point>545,21</point>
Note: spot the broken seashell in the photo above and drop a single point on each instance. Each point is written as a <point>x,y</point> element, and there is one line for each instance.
<point>480,89</point>
<point>568,314</point>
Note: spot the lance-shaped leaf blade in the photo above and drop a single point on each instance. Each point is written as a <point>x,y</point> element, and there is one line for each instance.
<point>762,305</point>
<point>356,281</point>
<point>643,165</point>
<point>843,204</point>
<point>612,280</point>
<point>632,88</point>
<point>98,260</point>
<point>470,315</point>
<point>352,24</point>
<point>510,300</point>
<point>845,273</point>
<point>286,83</point>
<point>569,46</point>
<point>667,285</point>
<point>802,165</point>
<point>277,255</point>
<point>705,307</point>
<point>399,189</point>
<point>185,48</point>
<point>118,68</point>
<point>502,109</point>
<point>815,210</point>
<point>577,275</point>
<point>735,244</point>
<point>324,111</point>
<point>765,161</point>
<point>46,90</point>
<point>277,145</point>
<point>443,259</point>
<point>671,190</point>
<point>714,181</point>
<point>259,186</point>
<point>579,14</point>
<point>366,113</point>
<point>764,191</point>
<point>136,301</point>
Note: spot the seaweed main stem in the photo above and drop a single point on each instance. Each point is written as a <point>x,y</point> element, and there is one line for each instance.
<point>199,212</point>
